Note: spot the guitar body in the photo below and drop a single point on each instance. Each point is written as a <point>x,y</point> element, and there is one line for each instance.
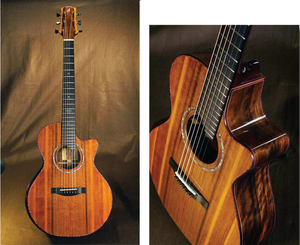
<point>68,214</point>
<point>236,185</point>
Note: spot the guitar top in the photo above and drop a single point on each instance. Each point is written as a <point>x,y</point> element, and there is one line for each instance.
<point>68,197</point>
<point>209,161</point>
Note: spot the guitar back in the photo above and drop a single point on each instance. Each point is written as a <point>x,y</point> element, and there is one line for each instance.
<point>52,200</point>
<point>219,214</point>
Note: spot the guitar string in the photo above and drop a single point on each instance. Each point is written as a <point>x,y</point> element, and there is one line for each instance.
<point>64,112</point>
<point>226,54</point>
<point>212,83</point>
<point>72,118</point>
<point>220,87</point>
<point>74,114</point>
<point>214,93</point>
<point>186,149</point>
<point>217,95</point>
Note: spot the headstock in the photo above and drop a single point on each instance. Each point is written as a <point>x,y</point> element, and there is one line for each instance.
<point>68,24</point>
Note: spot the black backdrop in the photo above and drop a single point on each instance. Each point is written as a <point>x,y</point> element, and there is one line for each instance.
<point>277,50</point>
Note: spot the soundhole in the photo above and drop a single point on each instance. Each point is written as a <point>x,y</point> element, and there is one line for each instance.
<point>205,149</point>
<point>67,158</point>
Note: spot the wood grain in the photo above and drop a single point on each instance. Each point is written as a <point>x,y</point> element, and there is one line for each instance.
<point>226,220</point>
<point>68,216</point>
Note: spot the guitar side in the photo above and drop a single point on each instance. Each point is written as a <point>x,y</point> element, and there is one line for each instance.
<point>68,215</point>
<point>225,221</point>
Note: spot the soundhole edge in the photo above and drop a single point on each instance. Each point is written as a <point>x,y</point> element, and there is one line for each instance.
<point>62,155</point>
<point>213,158</point>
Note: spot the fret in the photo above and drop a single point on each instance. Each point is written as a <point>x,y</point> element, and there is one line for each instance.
<point>214,103</point>
<point>226,38</point>
<point>69,107</point>
<point>208,111</point>
<point>243,30</point>
<point>68,88</point>
<point>213,99</point>
<point>68,66</point>
<point>213,116</point>
<point>69,59</point>
<point>236,47</point>
<point>224,73</point>
<point>238,34</point>
<point>214,123</point>
<point>216,89</point>
<point>69,51</point>
<point>228,71</point>
<point>221,91</point>
<point>68,73</point>
<point>209,132</point>
<point>229,54</point>
<point>68,111</point>
<point>220,75</point>
<point>227,66</point>
<point>211,128</point>
<point>68,98</point>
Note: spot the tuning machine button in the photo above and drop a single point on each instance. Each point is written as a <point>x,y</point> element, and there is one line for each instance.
<point>57,23</point>
<point>58,14</point>
<point>79,30</point>
<point>79,22</point>
<point>78,14</point>
<point>56,31</point>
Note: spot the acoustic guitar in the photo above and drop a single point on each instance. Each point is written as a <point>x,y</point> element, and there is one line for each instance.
<point>209,161</point>
<point>68,197</point>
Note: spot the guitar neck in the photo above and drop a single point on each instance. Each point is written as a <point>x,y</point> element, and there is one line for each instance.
<point>222,68</point>
<point>68,129</point>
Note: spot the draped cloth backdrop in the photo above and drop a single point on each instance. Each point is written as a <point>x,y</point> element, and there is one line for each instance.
<point>277,50</point>
<point>107,107</point>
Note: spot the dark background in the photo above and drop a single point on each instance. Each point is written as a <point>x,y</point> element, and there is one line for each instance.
<point>277,50</point>
<point>107,107</point>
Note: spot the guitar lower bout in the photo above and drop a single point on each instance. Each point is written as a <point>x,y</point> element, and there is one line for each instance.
<point>68,197</point>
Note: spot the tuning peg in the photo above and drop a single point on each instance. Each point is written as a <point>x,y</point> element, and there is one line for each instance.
<point>79,22</point>
<point>78,31</point>
<point>78,14</point>
<point>56,31</point>
<point>58,14</point>
<point>57,23</point>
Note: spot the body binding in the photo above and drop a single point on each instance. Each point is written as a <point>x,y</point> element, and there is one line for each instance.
<point>68,215</point>
<point>237,185</point>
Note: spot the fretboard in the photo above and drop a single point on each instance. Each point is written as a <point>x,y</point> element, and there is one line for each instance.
<point>221,72</point>
<point>68,130</point>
